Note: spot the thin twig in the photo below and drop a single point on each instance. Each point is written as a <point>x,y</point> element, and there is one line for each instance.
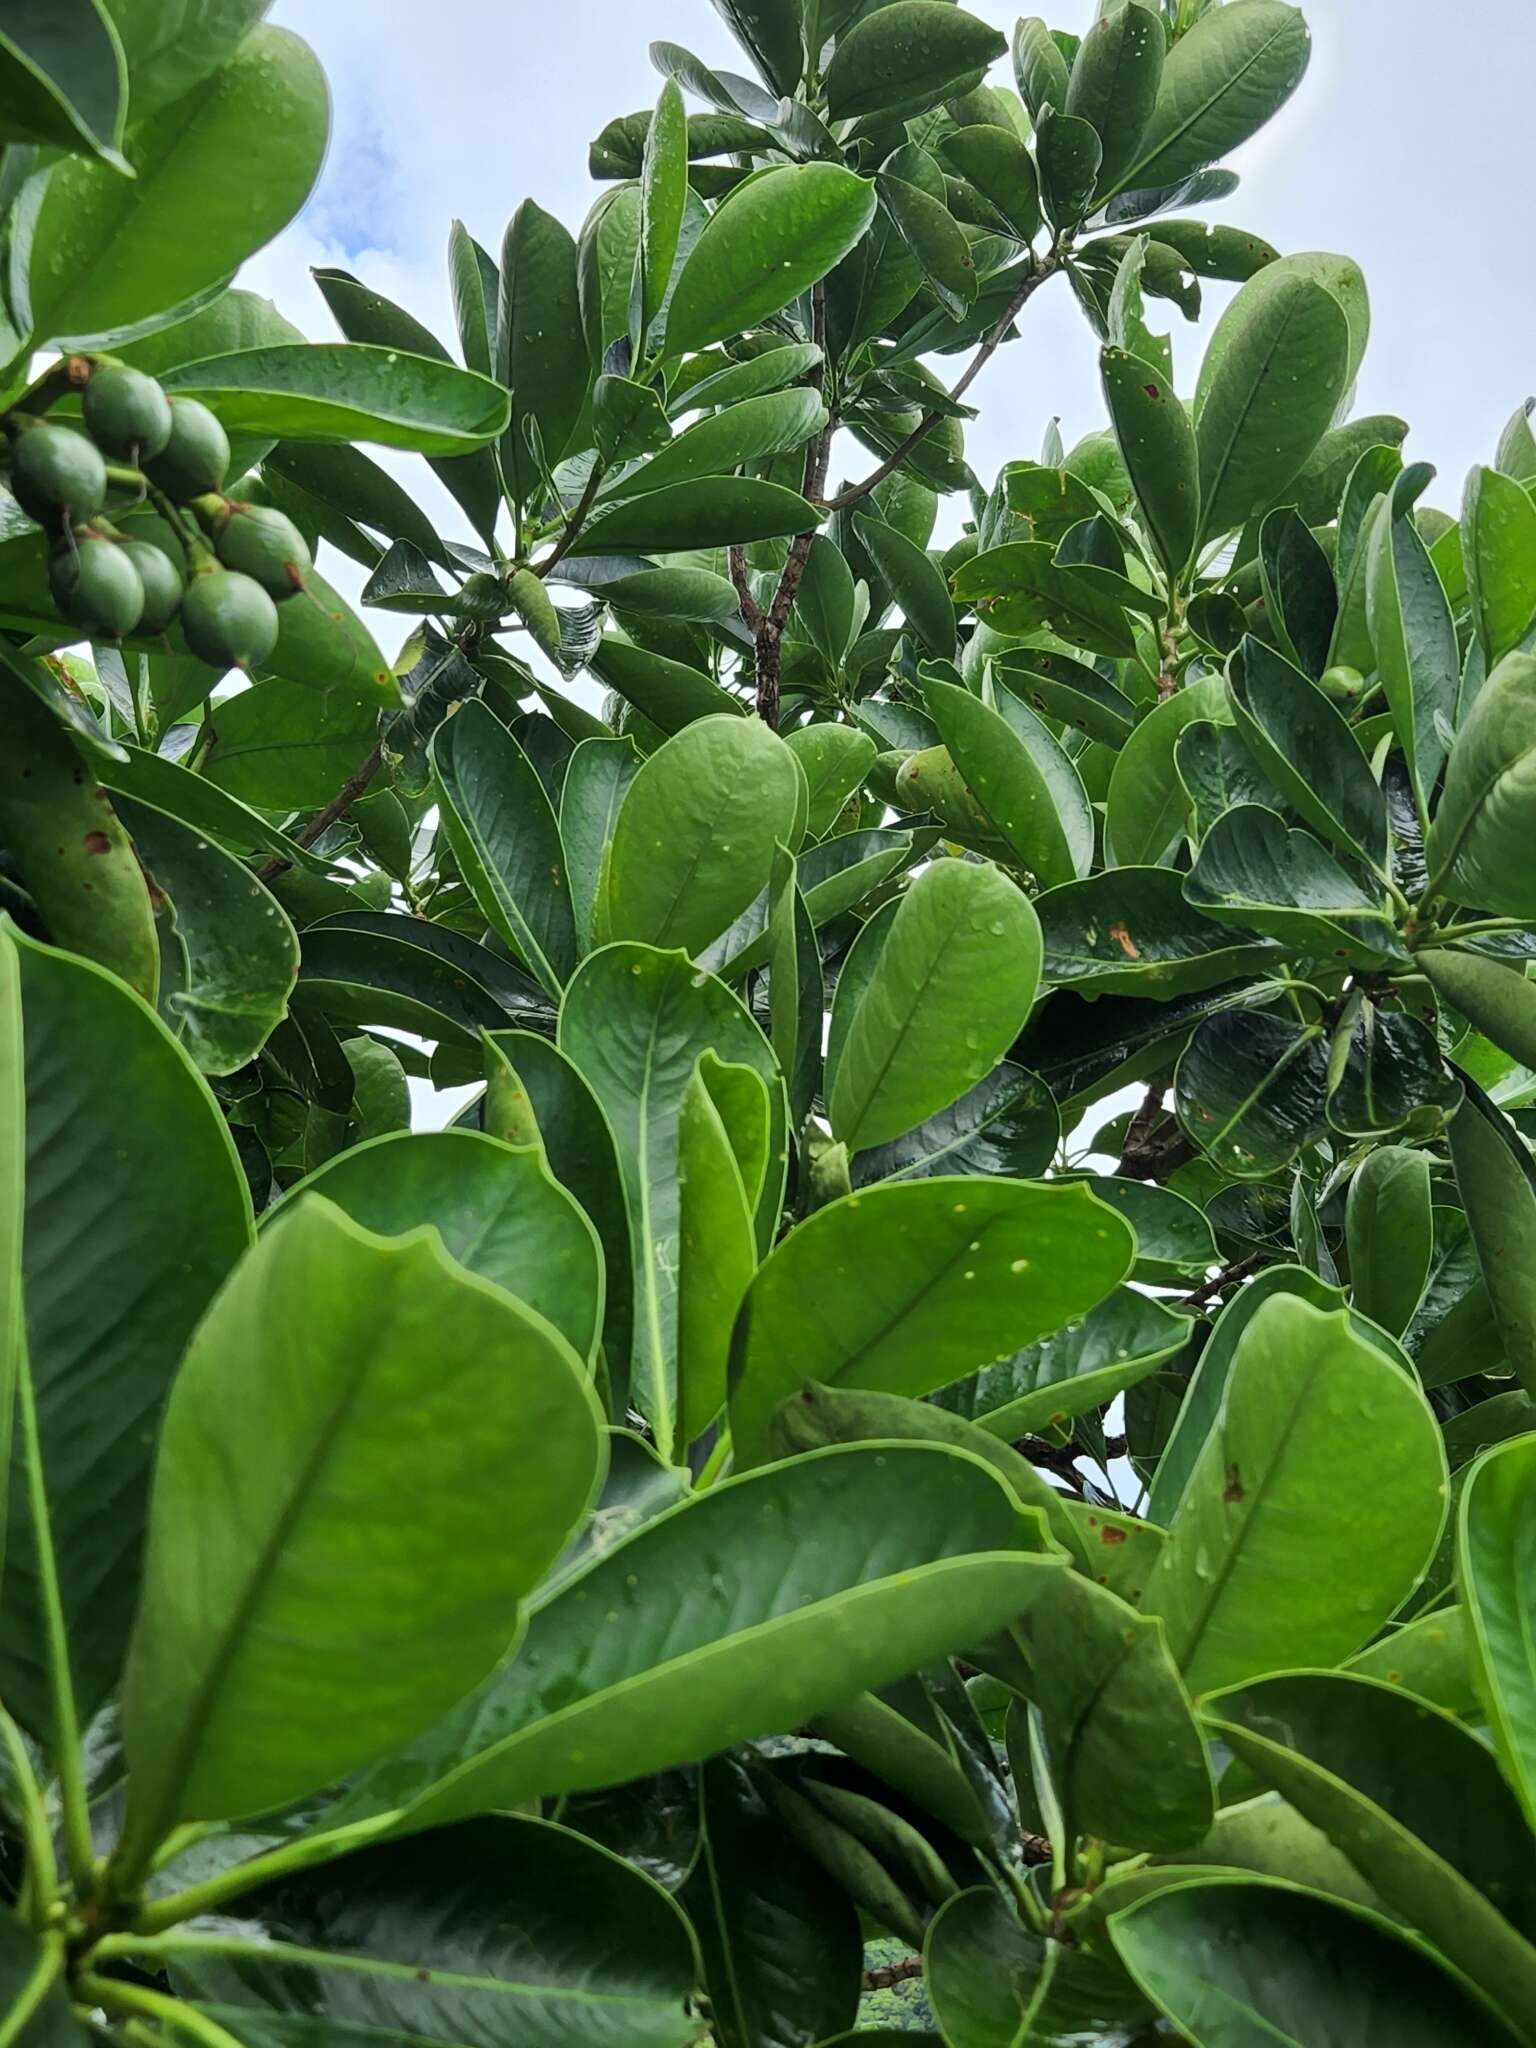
<point>925,426</point>
<point>574,524</point>
<point>1239,1269</point>
<point>888,1974</point>
<point>322,821</point>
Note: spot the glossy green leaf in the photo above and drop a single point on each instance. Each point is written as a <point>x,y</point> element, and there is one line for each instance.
<point>1303,744</point>
<point>663,189</point>
<point>934,239</point>
<point>1067,689</point>
<point>1007,1124</point>
<point>1497,1183</point>
<point>1021,588</point>
<point>995,161</point>
<point>1498,521</point>
<point>246,1685</point>
<point>62,78</point>
<point>770,33</point>
<point>1389,1230</point>
<point>634,1023</point>
<point>905,55</point>
<point>703,512</point>
<point>763,247</point>
<point>541,350</point>
<point>1114,83</point>
<point>1146,808</point>
<point>599,774</point>
<point>505,840</point>
<point>343,391</point>
<point>1428,1657</point>
<point>1251,871</point>
<point>1495,1560</point>
<point>1131,931</point>
<point>1478,842</point>
<point>229,957</point>
<point>752,430</point>
<point>1393,1069</point>
<point>1173,1238</point>
<point>835,759</point>
<point>695,833</point>
<point>1068,151</point>
<point>1080,1368</point>
<point>115,1265</point>
<point>1415,640</point>
<point>1300,597</point>
<point>1416,1803</point>
<point>1282,353</point>
<point>1251,1090</point>
<point>33,1985</point>
<point>1154,435</point>
<point>247,139</point>
<point>1038,66</point>
<point>279,748</point>
<point>914,581</point>
<point>951,990</point>
<point>324,645</point>
<point>1493,995</point>
<point>497,1209</point>
<point>920,1550</point>
<point>669,693</point>
<point>997,1983</point>
<point>1274,1556</point>
<point>1223,80</point>
<point>1051,838</point>
<point>717,1246</point>
<point>1218,773</point>
<point>1236,1960</point>
<point>922,1281</point>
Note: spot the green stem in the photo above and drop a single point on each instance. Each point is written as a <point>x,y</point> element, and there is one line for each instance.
<point>714,1464</point>
<point>45,1973</point>
<point>128,1999</point>
<point>1438,935</point>
<point>215,1892</point>
<point>42,1871</point>
<point>79,1849</point>
<point>574,524</point>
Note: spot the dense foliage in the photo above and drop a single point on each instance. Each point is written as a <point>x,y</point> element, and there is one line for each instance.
<point>754,1487</point>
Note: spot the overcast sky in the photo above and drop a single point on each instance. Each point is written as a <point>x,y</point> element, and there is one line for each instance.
<point>1411,146</point>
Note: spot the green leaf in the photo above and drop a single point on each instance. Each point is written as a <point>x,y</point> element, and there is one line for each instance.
<point>762,247</point>
<point>1068,151</point>
<point>62,78</point>
<point>663,190</point>
<point>578,1147</point>
<point>505,1928</point>
<point>1417,1804</point>
<point>1223,79</point>
<point>476,288</point>
<point>344,391</point>
<point>369,967</point>
<point>1173,1238</point>
<point>1306,748</point>
<point>541,348</point>
<point>1070,690</point>
<point>1393,1069</point>
<point>752,430</point>
<point>1039,66</point>
<point>344,481</point>
<point>1130,931</point>
<point>1114,83</point>
<point>796,991</point>
<point>769,31</point>
<point>1300,596</point>
<point>1013,784</point>
<point>951,990</point>
<point>921,1282</point>
<point>717,1246</point>
<point>1428,1657</point>
<point>1238,1959</point>
<point>324,645</point>
<point>1157,442</point>
<point>596,779</point>
<point>505,840</point>
<point>906,55</point>
<point>337,1374</point>
<point>1497,1182</point>
<point>229,956</point>
<point>1274,1556</point>
<point>1498,520</point>
<point>835,759</point>
<point>1251,871</point>
<point>1281,364</point>
<point>1146,809</point>
<point>703,512</point>
<point>934,239</point>
<point>1008,1124</point>
<point>1125,1755</point>
<point>996,1983</point>
<point>919,1550</point>
<point>1495,1558</point>
<point>135,1209</point>
<point>669,693</point>
<point>1479,841</point>
<point>216,177</point>
<point>1251,1091</point>
<point>280,748</point>
<point>1073,1372</point>
<point>1021,588</point>
<point>497,1209</point>
<point>634,1023</point>
<point>915,582</point>
<point>34,1986</point>
<point>1389,1231</point>
<point>1493,995</point>
<point>782,1948</point>
<point>826,601</point>
<point>695,833</point>
<point>1415,641</point>
<point>995,161</point>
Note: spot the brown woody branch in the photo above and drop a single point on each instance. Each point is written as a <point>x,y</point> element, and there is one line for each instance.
<point>348,794</point>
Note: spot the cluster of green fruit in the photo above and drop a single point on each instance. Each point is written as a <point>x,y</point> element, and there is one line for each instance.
<point>216,565</point>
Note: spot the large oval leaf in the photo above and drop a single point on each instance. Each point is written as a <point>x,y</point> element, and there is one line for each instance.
<point>1274,1557</point>
<point>1496,1571</point>
<point>1479,843</point>
<point>950,992</point>
<point>906,52</point>
<point>336,1375</point>
<point>1026,791</point>
<point>1131,931</point>
<point>919,1282</point>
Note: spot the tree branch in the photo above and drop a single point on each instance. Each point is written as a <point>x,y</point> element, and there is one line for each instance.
<point>887,1974</point>
<point>322,821</point>
<point>1238,1270</point>
<point>768,628</point>
<point>574,524</point>
<point>925,426</point>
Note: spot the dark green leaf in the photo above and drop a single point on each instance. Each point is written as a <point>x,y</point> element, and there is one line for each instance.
<point>1157,441</point>
<point>1132,932</point>
<point>907,55</point>
<point>541,349</point>
<point>1251,1091</point>
<point>1251,871</point>
<point>1305,747</point>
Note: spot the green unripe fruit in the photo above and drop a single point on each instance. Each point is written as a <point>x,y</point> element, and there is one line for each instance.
<point>54,470</point>
<point>260,542</point>
<point>483,596</point>
<point>96,586</point>
<point>127,415</point>
<point>1341,683</point>
<point>162,584</point>
<point>229,620</point>
<point>196,456</point>
<point>538,612</point>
